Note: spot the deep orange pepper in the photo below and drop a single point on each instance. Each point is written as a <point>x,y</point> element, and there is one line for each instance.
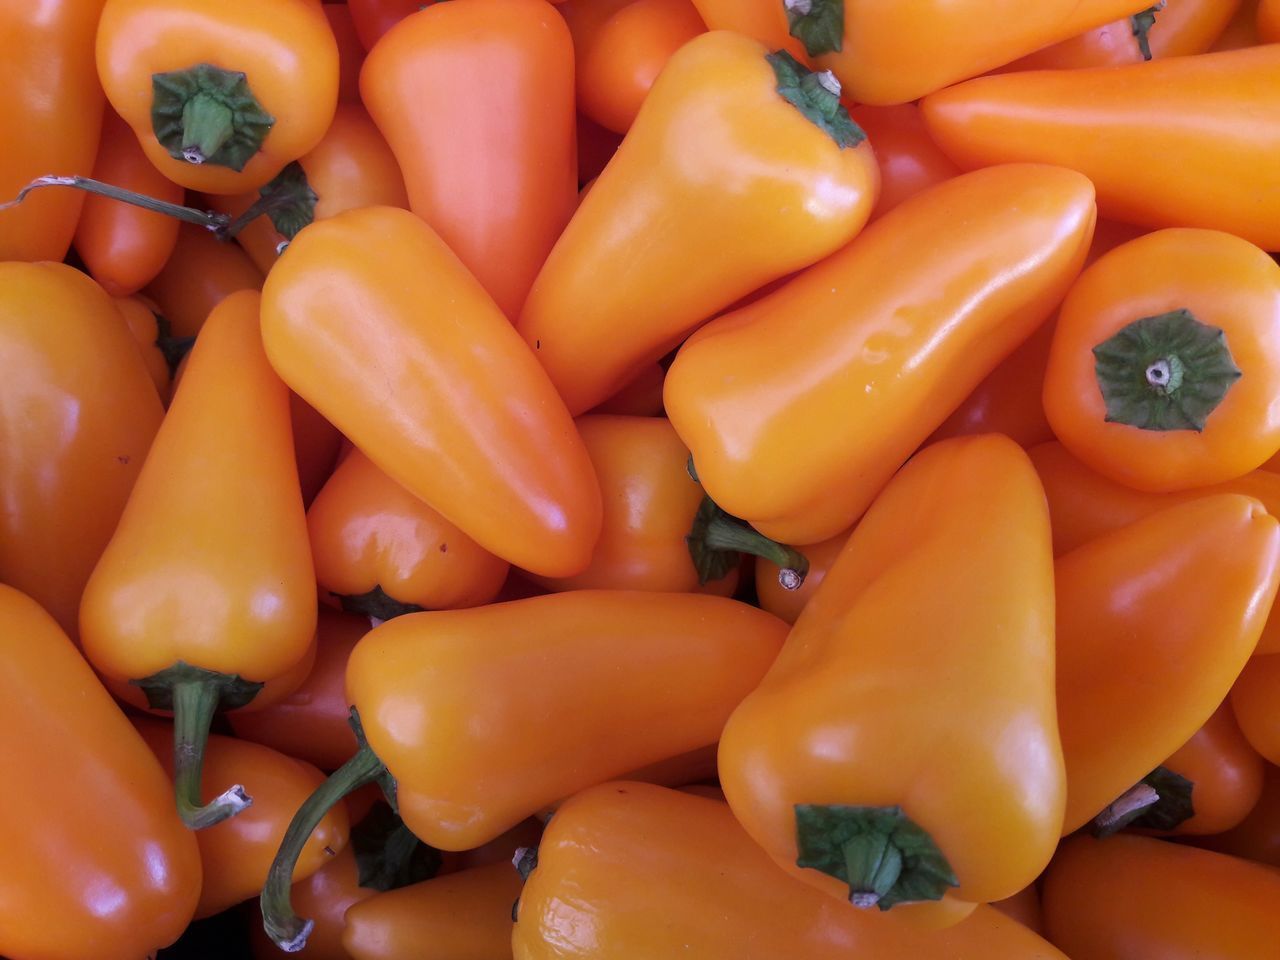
<point>596,147</point>
<point>377,548</point>
<point>102,868</point>
<point>1166,361</point>
<point>886,52</point>
<point>976,263</point>
<point>372,320</point>
<point>1257,836</point>
<point>316,445</point>
<point>789,604</point>
<point>1084,505</point>
<point>325,897</point>
<point>352,166</point>
<point>77,415</point>
<point>220,136</point>
<point>542,672</point>
<point>627,53</point>
<point>463,916</point>
<point>642,397</point>
<point>51,112</point>
<point>200,273</point>
<point>649,506</point>
<point>1254,700</point>
<point>1155,621</point>
<point>1269,21</point>
<point>762,20</point>
<point>909,159</point>
<point>475,98</point>
<point>144,326</point>
<point>702,210</point>
<point>1130,896</point>
<point>1226,774</point>
<point>124,246</point>
<point>1242,31</point>
<point>350,50</point>
<point>206,589</point>
<point>633,870</point>
<point>373,18</point>
<point>1008,400</point>
<point>501,849</point>
<point>311,723</point>
<point>1024,906</point>
<point>810,760</point>
<point>236,854</point>
<point>1210,169</point>
<point>1179,28</point>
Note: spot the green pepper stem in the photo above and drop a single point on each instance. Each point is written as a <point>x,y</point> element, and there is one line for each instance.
<point>207,123</point>
<point>727,533</point>
<point>874,863</point>
<point>283,926</point>
<point>194,702</point>
<point>213,221</point>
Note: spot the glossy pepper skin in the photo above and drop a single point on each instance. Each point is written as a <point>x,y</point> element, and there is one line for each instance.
<point>325,896</point>
<point>1155,621</point>
<point>762,20</point>
<point>789,604</point>
<point>720,186</point>
<point>475,98</point>
<point>372,320</point>
<point>124,246</point>
<point>1257,836</point>
<point>122,874</point>
<point>975,263</point>
<point>893,52</point>
<point>51,105</point>
<point>1132,896</point>
<point>1110,394</point>
<point>368,533</point>
<point>1113,125</point>
<point>829,725</point>
<point>201,272</point>
<point>311,723</point>
<point>1254,699</point>
<point>1226,773</point>
<point>463,916</point>
<point>543,672</point>
<point>627,52</point>
<point>285,50</point>
<point>649,506</point>
<point>77,415</point>
<point>1180,28</point>
<point>618,855</point>
<point>235,854</point>
<point>141,320</point>
<point>210,567</point>
<point>909,160</point>
<point>350,167</point>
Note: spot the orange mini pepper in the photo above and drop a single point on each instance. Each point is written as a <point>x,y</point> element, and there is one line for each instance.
<point>124,246</point>
<point>236,854</point>
<point>373,18</point>
<point>100,866</point>
<point>220,95</point>
<point>891,51</point>
<point>626,54</point>
<point>1130,896</point>
<point>1024,906</point>
<point>789,604</point>
<point>311,723</point>
<point>642,397</point>
<point>463,916</point>
<point>542,672</point>
<point>380,551</point>
<point>909,159</point>
<point>475,98</point>
<point>206,589</point>
<point>799,407</point>
<point>630,870</point>
<point>762,20</point>
<point>1212,168</point>
<point>77,415</point>
<point>375,323</point>
<point>1242,31</point>
<point>1155,621</point>
<point>1166,361</point>
<point>1269,21</point>
<point>740,168</point>
<point>200,273</point>
<point>144,326</point>
<point>325,896</point>
<point>959,677</point>
<point>1257,836</point>
<point>350,50</point>
<point>51,112</point>
<point>1254,698</point>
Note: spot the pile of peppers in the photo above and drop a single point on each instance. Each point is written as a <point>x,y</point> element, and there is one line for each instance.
<point>640,479</point>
